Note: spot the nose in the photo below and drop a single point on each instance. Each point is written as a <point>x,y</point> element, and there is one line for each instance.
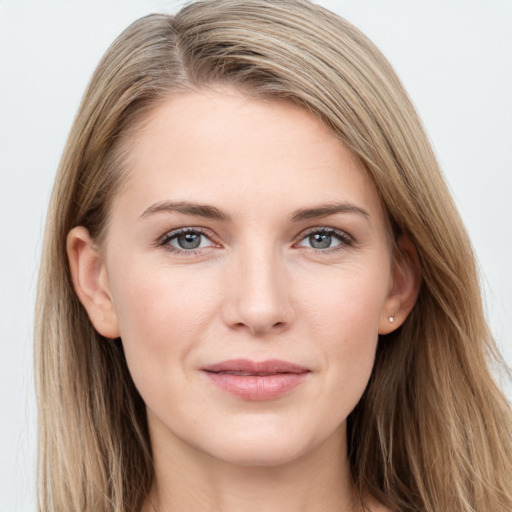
<point>257,296</point>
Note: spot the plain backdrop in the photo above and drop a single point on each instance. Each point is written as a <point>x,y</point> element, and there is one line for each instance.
<point>454,56</point>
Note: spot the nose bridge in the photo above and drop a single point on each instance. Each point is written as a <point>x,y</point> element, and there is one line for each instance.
<point>259,296</point>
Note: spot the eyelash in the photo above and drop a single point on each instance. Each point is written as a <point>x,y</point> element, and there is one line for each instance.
<point>172,235</point>
<point>344,239</point>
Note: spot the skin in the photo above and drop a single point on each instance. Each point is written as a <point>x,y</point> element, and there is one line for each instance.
<point>257,288</point>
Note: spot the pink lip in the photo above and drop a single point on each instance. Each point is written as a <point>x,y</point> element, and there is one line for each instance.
<point>258,381</point>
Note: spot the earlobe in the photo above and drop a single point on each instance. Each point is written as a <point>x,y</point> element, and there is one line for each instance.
<point>405,286</point>
<point>90,281</point>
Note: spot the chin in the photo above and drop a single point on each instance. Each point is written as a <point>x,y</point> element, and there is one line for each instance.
<point>264,453</point>
<point>267,447</point>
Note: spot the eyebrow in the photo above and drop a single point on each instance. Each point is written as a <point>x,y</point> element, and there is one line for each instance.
<point>328,209</point>
<point>212,212</point>
<point>187,208</point>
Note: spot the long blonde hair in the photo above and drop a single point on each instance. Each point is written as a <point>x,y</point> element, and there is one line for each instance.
<point>432,432</point>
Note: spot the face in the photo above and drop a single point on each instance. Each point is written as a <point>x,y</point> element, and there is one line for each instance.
<point>248,272</point>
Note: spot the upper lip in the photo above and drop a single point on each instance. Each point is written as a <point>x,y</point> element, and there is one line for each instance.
<point>248,367</point>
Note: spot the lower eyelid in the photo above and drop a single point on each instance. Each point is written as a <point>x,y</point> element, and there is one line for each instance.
<point>173,234</point>
<point>344,238</point>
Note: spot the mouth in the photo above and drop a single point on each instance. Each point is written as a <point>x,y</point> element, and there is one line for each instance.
<point>256,380</point>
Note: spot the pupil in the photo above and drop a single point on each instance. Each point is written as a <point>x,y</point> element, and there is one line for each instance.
<point>320,240</point>
<point>189,240</point>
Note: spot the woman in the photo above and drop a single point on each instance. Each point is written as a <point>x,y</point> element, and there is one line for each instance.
<point>256,292</point>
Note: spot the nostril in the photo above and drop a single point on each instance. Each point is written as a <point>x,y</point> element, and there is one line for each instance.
<point>260,313</point>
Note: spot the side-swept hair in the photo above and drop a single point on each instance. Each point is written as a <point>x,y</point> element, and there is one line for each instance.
<point>432,432</point>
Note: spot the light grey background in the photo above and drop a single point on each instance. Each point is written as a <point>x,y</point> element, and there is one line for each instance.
<point>454,56</point>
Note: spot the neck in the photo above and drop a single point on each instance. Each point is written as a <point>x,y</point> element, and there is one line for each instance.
<point>186,479</point>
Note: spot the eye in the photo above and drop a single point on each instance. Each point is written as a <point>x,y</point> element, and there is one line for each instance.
<point>186,240</point>
<point>325,238</point>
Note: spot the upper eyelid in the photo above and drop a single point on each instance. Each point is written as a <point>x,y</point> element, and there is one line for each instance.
<point>324,229</point>
<point>187,229</point>
<point>173,233</point>
<point>168,235</point>
<point>345,240</point>
<point>316,229</point>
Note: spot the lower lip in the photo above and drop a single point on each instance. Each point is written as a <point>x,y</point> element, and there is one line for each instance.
<point>257,387</point>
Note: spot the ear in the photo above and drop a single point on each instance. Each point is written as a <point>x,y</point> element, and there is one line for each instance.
<point>404,286</point>
<point>90,281</point>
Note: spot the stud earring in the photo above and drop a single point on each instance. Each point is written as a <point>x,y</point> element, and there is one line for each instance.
<point>391,319</point>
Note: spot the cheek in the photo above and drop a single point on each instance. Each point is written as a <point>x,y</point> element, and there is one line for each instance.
<point>162,316</point>
<point>344,320</point>
<point>349,301</point>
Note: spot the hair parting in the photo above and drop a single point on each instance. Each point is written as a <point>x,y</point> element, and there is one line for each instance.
<point>432,432</point>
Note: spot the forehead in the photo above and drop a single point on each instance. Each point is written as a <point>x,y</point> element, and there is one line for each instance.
<point>225,147</point>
